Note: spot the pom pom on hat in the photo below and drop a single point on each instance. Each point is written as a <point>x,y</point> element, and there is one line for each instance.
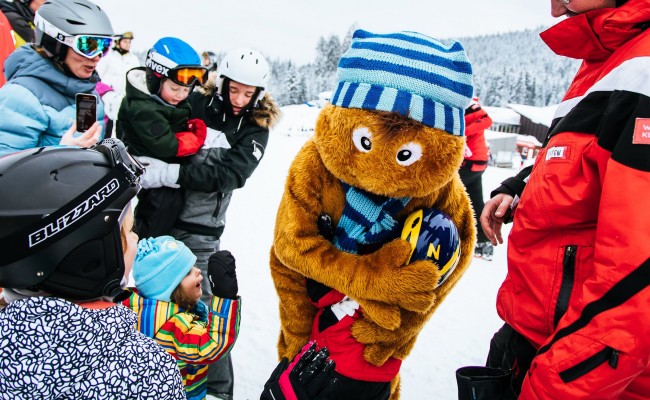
<point>160,265</point>
<point>408,73</point>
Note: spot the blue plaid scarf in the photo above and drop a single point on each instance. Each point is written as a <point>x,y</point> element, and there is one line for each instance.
<point>367,219</point>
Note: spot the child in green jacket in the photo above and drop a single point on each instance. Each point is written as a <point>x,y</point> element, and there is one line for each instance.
<point>154,121</point>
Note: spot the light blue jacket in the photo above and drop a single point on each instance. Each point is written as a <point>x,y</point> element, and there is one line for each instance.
<point>37,104</point>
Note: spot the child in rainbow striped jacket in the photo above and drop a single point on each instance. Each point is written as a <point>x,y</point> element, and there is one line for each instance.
<point>166,298</point>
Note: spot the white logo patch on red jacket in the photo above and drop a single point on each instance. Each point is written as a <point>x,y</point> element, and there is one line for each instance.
<point>641,131</point>
<point>555,152</point>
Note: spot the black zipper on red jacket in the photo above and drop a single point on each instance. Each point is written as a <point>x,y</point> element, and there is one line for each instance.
<point>621,292</point>
<point>568,279</point>
<point>607,354</point>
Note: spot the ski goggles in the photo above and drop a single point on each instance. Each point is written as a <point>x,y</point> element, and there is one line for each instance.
<point>89,46</point>
<point>188,76</point>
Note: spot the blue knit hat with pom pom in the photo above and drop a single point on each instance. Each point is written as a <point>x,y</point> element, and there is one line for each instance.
<point>408,73</point>
<point>160,265</point>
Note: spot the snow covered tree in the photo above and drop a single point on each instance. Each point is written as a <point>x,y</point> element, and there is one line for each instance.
<point>514,67</point>
<point>517,67</point>
<point>294,86</point>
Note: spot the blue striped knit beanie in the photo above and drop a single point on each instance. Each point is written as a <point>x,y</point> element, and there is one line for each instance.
<point>408,73</point>
<point>160,265</point>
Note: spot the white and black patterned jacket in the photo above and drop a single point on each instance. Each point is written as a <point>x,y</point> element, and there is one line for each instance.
<point>53,349</point>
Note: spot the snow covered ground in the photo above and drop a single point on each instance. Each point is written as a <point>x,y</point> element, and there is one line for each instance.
<point>458,334</point>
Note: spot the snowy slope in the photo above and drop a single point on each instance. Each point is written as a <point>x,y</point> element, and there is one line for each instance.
<point>458,334</point>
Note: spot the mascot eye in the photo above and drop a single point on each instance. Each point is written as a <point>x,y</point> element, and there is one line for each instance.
<point>362,139</point>
<point>408,154</point>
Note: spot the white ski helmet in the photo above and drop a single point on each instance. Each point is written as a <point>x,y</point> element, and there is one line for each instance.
<point>245,66</point>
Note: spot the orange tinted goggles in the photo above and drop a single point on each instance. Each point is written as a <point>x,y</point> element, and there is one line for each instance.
<point>188,76</point>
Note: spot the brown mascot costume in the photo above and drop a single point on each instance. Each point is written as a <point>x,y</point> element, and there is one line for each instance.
<point>390,143</point>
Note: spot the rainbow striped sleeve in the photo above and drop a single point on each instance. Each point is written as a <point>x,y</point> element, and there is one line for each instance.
<point>151,313</point>
<point>195,342</point>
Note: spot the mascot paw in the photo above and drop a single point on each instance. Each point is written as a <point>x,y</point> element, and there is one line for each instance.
<point>377,354</point>
<point>367,332</point>
<point>385,315</point>
<point>416,282</point>
<point>391,255</point>
<point>404,350</point>
<point>389,280</point>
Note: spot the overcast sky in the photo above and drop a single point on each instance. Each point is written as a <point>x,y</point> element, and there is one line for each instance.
<point>290,29</point>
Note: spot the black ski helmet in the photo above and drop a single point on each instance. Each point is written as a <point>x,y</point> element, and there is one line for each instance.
<point>59,218</point>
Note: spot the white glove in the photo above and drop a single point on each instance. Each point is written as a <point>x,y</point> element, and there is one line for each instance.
<point>112,102</point>
<point>158,173</point>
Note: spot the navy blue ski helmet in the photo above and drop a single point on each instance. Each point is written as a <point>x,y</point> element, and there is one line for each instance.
<point>433,236</point>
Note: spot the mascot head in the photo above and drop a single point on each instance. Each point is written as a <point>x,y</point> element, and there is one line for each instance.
<point>395,126</point>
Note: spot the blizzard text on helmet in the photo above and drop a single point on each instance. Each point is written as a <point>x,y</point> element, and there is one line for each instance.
<point>75,214</point>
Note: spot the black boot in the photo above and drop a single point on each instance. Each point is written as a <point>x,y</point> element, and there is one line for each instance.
<point>483,383</point>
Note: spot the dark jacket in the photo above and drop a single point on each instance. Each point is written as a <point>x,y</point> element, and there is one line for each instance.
<point>579,249</point>
<point>233,149</point>
<point>147,125</point>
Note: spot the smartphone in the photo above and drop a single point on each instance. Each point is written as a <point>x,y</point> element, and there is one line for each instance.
<point>86,111</point>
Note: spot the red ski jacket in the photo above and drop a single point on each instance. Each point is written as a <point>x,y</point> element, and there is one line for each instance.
<point>579,249</point>
<point>476,122</point>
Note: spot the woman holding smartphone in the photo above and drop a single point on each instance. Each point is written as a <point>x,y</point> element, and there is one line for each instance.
<point>37,104</point>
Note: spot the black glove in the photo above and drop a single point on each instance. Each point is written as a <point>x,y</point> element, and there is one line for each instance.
<point>310,377</point>
<point>221,272</point>
<point>325,226</point>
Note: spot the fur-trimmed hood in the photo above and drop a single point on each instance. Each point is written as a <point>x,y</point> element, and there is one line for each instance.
<point>266,114</point>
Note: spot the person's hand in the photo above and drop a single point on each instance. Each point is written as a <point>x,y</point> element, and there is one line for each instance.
<point>197,126</point>
<point>191,141</point>
<point>158,173</point>
<point>494,215</point>
<point>308,377</point>
<point>86,139</point>
<point>222,276</point>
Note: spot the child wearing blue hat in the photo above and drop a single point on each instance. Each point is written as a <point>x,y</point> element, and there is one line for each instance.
<point>166,299</point>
